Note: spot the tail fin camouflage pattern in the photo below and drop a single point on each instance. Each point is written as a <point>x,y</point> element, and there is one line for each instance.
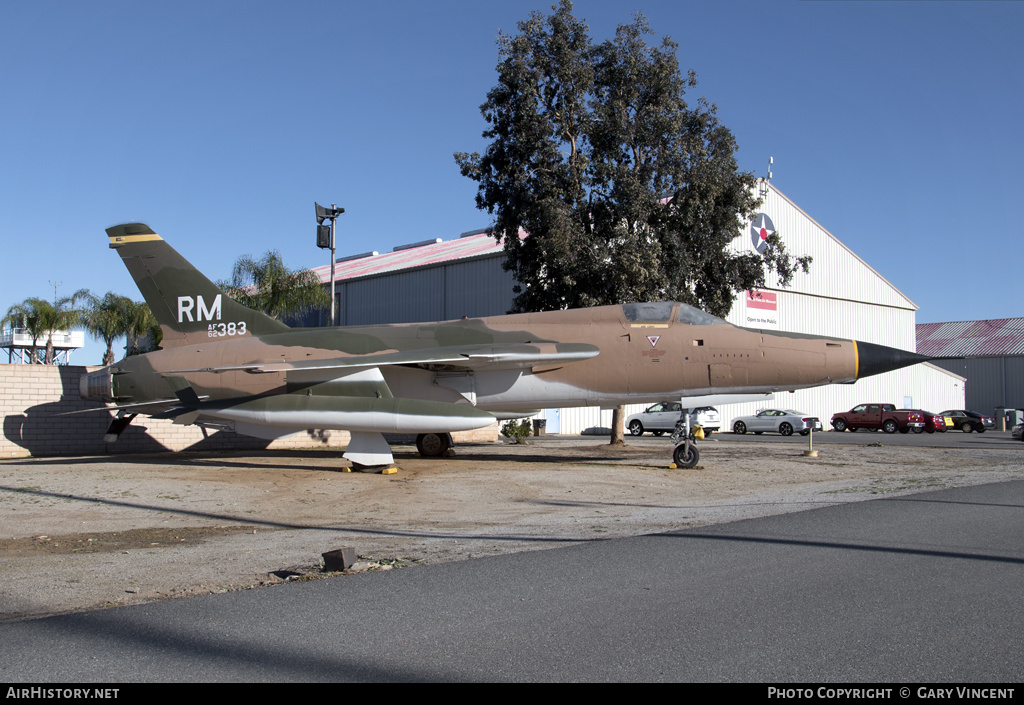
<point>188,306</point>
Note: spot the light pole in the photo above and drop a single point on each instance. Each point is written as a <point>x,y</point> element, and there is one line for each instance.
<point>325,238</point>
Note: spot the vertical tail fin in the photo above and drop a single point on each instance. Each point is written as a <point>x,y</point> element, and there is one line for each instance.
<point>188,306</point>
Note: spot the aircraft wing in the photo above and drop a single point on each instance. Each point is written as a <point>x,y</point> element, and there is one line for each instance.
<point>511,356</point>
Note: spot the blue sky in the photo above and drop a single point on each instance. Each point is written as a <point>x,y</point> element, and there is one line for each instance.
<point>896,125</point>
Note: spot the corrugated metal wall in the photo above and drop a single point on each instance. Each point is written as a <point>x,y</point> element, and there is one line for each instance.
<point>991,381</point>
<point>478,287</point>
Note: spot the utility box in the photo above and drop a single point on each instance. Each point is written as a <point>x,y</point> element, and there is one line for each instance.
<point>539,426</point>
<point>1012,417</point>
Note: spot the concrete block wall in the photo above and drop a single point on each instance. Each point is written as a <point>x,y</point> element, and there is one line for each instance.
<point>32,395</point>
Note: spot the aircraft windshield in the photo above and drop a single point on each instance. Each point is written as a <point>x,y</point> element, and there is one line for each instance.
<point>653,311</point>
<point>661,312</point>
<point>694,316</point>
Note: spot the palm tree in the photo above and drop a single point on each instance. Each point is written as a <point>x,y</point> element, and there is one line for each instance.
<point>267,285</point>
<point>63,315</point>
<point>28,315</point>
<point>42,318</point>
<point>141,323</point>
<point>107,319</point>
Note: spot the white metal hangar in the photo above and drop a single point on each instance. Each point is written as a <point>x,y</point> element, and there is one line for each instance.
<point>841,296</point>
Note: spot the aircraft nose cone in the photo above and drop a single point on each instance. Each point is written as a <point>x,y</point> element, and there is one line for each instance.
<point>875,359</point>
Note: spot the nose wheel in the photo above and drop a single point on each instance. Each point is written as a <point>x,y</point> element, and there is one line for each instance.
<point>686,454</point>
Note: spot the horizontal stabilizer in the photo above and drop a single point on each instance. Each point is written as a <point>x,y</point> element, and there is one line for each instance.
<point>145,407</point>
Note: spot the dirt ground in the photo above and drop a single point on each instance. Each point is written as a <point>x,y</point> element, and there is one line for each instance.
<point>85,533</point>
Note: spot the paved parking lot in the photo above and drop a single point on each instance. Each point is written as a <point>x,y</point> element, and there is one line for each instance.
<point>949,439</point>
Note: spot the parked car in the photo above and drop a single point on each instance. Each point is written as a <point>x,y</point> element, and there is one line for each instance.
<point>932,422</point>
<point>777,421</point>
<point>661,418</point>
<point>968,421</point>
<point>875,416</point>
<point>940,422</point>
<point>1018,432</point>
<point>708,418</point>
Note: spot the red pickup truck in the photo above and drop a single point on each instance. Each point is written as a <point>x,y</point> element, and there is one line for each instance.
<point>873,416</point>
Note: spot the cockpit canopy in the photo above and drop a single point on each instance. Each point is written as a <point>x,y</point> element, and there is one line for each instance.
<point>661,312</point>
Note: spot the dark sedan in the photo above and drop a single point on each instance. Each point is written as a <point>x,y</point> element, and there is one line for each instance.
<point>968,421</point>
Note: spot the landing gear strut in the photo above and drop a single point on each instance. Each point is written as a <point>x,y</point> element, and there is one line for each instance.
<point>685,454</point>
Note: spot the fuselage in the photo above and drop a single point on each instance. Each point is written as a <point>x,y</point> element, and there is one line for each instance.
<point>647,352</point>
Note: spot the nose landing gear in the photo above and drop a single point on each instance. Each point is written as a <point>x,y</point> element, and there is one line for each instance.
<point>685,454</point>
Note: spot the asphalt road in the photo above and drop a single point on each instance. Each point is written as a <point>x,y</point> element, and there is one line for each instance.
<point>911,589</point>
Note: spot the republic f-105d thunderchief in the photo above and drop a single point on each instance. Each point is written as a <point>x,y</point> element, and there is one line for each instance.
<point>225,366</point>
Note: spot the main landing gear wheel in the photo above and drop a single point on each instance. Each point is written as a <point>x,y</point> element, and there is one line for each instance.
<point>433,445</point>
<point>685,455</point>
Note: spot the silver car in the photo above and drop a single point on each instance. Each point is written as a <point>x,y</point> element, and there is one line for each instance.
<point>784,421</point>
<point>661,418</point>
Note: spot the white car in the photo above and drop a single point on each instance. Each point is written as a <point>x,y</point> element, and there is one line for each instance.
<point>661,418</point>
<point>784,421</point>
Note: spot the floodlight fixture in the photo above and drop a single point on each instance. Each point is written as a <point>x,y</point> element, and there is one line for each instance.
<point>323,213</point>
<point>325,238</point>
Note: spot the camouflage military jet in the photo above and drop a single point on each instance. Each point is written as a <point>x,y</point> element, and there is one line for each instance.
<point>225,366</point>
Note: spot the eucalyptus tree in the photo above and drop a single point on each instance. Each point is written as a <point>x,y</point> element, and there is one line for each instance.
<point>628,191</point>
<point>606,183</point>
